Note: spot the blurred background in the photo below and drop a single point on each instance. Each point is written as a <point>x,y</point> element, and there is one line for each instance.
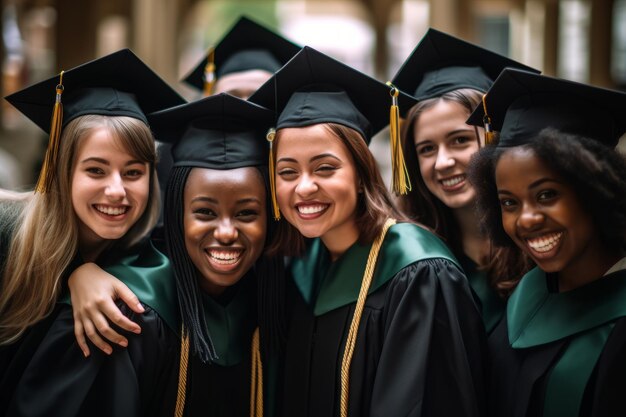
<point>581,40</point>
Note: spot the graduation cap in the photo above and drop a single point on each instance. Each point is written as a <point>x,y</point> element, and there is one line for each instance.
<point>216,132</point>
<point>314,88</point>
<point>441,63</point>
<point>119,84</point>
<point>520,104</point>
<point>247,46</point>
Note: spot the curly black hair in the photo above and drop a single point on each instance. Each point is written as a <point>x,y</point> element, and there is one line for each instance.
<point>595,172</point>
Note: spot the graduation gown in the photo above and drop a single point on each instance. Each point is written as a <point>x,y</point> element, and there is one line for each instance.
<point>420,343</point>
<point>561,353</point>
<point>223,388</point>
<point>48,374</point>
<point>492,307</point>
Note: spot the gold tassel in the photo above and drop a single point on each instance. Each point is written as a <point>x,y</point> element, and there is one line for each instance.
<point>256,380</point>
<point>182,373</point>
<point>49,167</point>
<point>401,184</point>
<point>489,134</point>
<point>271,135</point>
<point>209,73</point>
<point>370,266</point>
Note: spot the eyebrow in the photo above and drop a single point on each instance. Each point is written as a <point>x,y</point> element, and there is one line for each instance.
<point>314,158</point>
<point>532,185</point>
<point>105,162</point>
<point>215,201</point>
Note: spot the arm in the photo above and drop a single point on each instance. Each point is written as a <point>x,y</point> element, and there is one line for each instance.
<point>93,293</point>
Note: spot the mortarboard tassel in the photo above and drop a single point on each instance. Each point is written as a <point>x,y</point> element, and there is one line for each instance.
<point>256,382</point>
<point>209,73</point>
<point>401,183</point>
<point>271,135</point>
<point>182,373</point>
<point>48,169</point>
<point>489,134</point>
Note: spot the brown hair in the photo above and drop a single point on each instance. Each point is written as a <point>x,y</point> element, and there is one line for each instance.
<point>374,203</point>
<point>504,265</point>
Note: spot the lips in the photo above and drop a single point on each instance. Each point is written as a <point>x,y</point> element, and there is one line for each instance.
<point>110,210</point>
<point>224,257</point>
<point>454,182</point>
<point>544,243</point>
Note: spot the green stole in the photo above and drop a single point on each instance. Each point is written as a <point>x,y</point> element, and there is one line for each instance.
<point>536,316</point>
<point>327,285</point>
<point>149,274</point>
<point>231,324</point>
<point>492,306</point>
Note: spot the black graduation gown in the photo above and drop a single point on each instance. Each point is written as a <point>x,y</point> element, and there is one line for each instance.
<point>48,375</point>
<point>223,388</point>
<point>420,344</point>
<point>519,377</point>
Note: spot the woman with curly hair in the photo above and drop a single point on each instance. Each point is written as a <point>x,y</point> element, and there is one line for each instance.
<point>555,187</point>
<point>448,77</point>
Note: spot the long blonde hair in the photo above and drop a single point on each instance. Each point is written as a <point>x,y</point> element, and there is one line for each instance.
<point>45,240</point>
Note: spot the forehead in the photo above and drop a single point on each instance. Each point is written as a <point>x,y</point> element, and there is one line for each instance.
<point>442,116</point>
<point>308,141</point>
<point>216,181</point>
<point>520,165</point>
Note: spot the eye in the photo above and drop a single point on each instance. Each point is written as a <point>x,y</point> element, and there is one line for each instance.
<point>462,140</point>
<point>94,170</point>
<point>287,173</point>
<point>135,173</point>
<point>425,149</point>
<point>326,169</point>
<point>546,195</point>
<point>507,204</point>
<point>247,215</point>
<point>204,212</point>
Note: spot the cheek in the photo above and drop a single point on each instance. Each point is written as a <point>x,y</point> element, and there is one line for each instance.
<point>508,223</point>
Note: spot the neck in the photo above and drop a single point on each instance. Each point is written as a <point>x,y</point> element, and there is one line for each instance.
<point>475,243</point>
<point>340,241</point>
<point>584,272</point>
<point>90,250</point>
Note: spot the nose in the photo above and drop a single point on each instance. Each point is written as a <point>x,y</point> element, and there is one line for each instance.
<point>115,189</point>
<point>444,159</point>
<point>530,218</point>
<point>226,232</point>
<point>306,186</point>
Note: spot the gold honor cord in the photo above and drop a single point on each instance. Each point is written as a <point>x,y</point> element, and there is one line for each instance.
<point>271,135</point>
<point>401,182</point>
<point>358,310</point>
<point>49,167</point>
<point>256,382</point>
<point>182,373</point>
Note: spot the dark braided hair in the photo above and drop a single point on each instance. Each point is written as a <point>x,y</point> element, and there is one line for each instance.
<point>596,172</point>
<point>269,273</point>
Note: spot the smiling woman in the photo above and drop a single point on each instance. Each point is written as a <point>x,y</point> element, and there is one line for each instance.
<point>555,187</point>
<point>96,199</point>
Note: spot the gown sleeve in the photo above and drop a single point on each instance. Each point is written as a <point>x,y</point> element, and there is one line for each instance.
<point>433,355</point>
<point>137,381</point>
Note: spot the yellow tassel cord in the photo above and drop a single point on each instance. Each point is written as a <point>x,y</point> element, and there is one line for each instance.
<point>358,310</point>
<point>182,373</point>
<point>271,135</point>
<point>209,73</point>
<point>256,381</point>
<point>489,134</point>
<point>48,169</point>
<point>401,182</point>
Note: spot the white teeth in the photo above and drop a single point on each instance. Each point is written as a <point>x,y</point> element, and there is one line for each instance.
<point>111,211</point>
<point>545,243</point>
<point>224,258</point>
<point>311,209</point>
<point>450,182</point>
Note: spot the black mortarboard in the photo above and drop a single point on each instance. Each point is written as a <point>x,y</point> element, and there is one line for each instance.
<point>441,63</point>
<point>217,132</point>
<point>520,104</point>
<point>315,88</point>
<point>247,46</point>
<point>119,84</point>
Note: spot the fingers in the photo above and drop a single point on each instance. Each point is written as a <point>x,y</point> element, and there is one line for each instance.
<point>129,298</point>
<point>80,336</point>
<point>95,338</point>
<point>109,312</point>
